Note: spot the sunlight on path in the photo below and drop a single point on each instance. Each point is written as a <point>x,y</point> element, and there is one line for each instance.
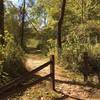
<point>32,63</point>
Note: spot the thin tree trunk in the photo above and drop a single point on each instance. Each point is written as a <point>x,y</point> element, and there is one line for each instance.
<point>60,23</point>
<point>23,24</point>
<point>1,22</point>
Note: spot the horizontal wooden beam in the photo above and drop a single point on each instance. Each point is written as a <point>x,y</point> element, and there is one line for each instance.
<point>38,80</point>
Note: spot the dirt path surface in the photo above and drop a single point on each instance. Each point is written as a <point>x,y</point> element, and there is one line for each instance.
<point>64,83</point>
<point>32,62</point>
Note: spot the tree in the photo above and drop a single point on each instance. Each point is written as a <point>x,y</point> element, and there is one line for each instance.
<point>23,24</point>
<point>60,23</point>
<point>1,22</point>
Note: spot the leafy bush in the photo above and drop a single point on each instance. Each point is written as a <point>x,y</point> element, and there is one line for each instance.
<point>72,54</point>
<point>11,57</point>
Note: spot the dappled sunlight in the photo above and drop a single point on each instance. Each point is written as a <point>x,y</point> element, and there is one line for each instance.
<point>49,49</point>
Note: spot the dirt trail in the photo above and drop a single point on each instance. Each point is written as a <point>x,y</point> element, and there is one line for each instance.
<point>32,62</point>
<point>64,83</point>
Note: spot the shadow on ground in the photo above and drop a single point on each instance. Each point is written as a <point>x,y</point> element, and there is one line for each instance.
<point>89,84</point>
<point>64,96</point>
<point>20,89</point>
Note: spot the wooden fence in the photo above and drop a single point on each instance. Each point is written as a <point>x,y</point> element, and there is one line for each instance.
<point>27,76</point>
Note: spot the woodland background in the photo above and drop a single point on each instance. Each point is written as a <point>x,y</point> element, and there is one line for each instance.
<point>31,26</point>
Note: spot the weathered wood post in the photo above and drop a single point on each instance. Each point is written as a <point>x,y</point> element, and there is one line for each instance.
<point>86,67</point>
<point>52,71</point>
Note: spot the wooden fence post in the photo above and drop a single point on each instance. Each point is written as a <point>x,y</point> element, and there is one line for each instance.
<point>52,71</point>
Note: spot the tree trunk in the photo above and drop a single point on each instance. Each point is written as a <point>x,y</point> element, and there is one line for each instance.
<point>1,22</point>
<point>60,23</point>
<point>23,24</point>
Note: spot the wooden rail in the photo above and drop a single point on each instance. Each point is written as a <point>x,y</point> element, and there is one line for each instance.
<point>25,77</point>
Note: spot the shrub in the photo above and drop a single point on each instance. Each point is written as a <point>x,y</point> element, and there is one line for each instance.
<point>72,54</point>
<point>11,57</point>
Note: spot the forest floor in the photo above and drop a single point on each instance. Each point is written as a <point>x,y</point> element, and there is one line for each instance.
<point>69,86</point>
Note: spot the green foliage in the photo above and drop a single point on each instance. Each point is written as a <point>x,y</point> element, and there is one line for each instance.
<point>32,43</point>
<point>77,37</point>
<point>72,54</point>
<point>10,60</point>
<point>9,49</point>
